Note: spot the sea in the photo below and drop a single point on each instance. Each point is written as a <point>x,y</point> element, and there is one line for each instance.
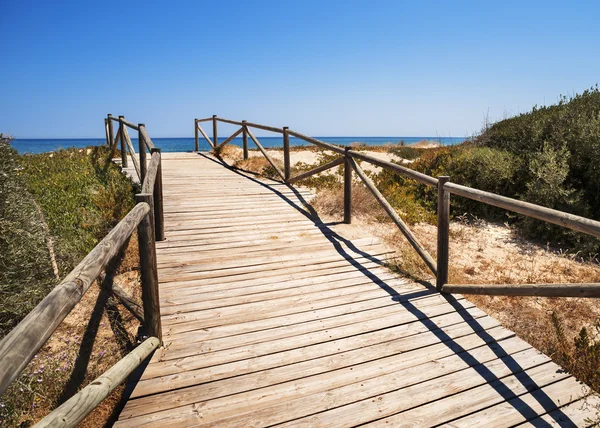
<point>187,144</point>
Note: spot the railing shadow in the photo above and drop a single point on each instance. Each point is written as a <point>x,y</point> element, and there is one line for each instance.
<point>404,300</point>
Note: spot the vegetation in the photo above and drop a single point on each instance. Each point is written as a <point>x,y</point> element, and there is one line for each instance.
<point>25,270</point>
<point>54,208</point>
<point>548,156</point>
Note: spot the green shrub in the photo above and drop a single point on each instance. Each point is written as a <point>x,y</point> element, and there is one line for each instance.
<point>407,152</point>
<point>25,271</point>
<point>82,196</point>
<point>73,197</point>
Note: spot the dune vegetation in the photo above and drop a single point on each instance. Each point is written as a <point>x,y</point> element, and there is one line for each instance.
<point>548,156</point>
<point>54,208</point>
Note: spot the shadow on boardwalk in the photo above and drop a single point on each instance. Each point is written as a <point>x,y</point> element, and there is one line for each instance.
<point>404,300</point>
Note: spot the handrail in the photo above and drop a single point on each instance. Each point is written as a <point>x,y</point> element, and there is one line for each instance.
<point>20,345</point>
<point>444,188</point>
<point>570,221</point>
<point>545,290</point>
<point>407,172</point>
<point>124,122</point>
<point>76,408</point>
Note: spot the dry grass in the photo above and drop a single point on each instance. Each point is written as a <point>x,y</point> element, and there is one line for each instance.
<point>330,202</point>
<point>229,151</point>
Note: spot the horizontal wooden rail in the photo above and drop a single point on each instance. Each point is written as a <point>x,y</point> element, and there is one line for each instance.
<point>541,290</point>
<point>124,122</point>
<point>206,119</point>
<point>316,170</point>
<point>571,221</point>
<point>76,408</point>
<point>445,188</point>
<point>407,172</point>
<point>412,239</point>
<point>264,127</point>
<point>232,122</point>
<point>316,142</point>
<point>20,345</point>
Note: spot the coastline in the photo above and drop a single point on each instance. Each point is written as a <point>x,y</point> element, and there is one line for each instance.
<point>186,144</point>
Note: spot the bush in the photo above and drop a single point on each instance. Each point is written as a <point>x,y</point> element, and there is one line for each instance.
<point>25,271</point>
<point>70,198</point>
<point>82,194</point>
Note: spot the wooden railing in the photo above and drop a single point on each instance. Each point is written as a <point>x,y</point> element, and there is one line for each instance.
<point>19,347</point>
<point>438,266</point>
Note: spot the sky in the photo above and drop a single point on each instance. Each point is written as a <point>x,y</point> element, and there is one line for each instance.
<point>324,68</point>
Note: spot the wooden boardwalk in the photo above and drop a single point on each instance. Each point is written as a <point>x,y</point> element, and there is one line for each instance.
<point>272,317</point>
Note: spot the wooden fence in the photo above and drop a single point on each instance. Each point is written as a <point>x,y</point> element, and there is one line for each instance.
<point>19,346</point>
<point>445,188</point>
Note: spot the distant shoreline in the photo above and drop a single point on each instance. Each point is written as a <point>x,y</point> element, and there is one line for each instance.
<point>184,144</point>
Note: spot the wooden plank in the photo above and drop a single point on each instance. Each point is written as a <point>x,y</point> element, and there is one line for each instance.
<point>497,389</point>
<point>271,317</point>
<point>342,324</point>
<point>519,409</point>
<point>216,410</point>
<point>393,376</point>
<point>576,414</point>
<point>312,375</point>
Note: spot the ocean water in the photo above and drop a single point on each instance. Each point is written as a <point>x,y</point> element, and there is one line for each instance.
<point>187,144</point>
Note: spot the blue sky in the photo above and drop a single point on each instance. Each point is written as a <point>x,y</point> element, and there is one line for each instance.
<point>326,68</point>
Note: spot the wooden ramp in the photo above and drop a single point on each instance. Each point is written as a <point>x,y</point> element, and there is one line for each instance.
<point>271,317</point>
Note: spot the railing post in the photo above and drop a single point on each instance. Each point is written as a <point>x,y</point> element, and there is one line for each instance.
<point>347,188</point>
<point>196,135</point>
<point>215,137</point>
<point>148,269</point>
<point>286,153</point>
<point>111,138</point>
<point>443,233</point>
<point>142,153</point>
<point>159,221</point>
<point>245,139</point>
<point>123,144</point>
